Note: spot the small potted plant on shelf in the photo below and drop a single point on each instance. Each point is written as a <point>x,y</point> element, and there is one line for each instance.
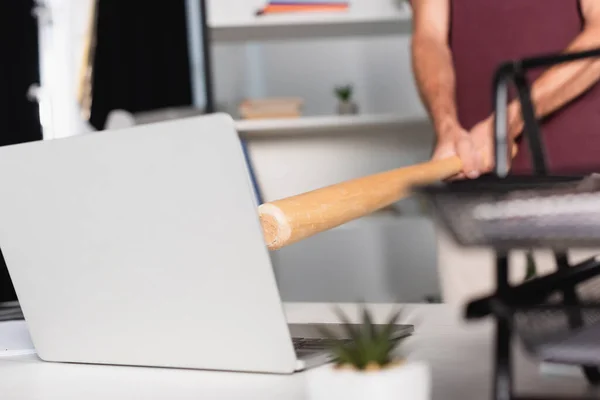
<point>368,365</point>
<point>346,104</point>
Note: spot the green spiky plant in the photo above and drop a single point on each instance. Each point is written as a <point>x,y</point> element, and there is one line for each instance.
<point>344,93</point>
<point>371,346</point>
<point>531,267</point>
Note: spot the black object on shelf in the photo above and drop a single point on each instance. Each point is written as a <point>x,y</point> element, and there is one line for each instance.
<point>553,320</point>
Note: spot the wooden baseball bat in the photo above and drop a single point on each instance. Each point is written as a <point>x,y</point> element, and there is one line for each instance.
<point>294,218</point>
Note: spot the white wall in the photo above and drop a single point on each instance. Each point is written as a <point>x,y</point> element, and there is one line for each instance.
<point>288,165</point>
<point>383,258</point>
<point>379,69</point>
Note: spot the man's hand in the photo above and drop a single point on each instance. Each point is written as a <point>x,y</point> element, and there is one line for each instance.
<point>459,142</point>
<point>474,148</point>
<point>482,135</point>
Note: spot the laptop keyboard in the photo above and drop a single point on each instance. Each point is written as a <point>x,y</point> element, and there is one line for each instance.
<point>305,347</point>
<point>313,343</point>
<point>10,311</point>
<point>307,340</point>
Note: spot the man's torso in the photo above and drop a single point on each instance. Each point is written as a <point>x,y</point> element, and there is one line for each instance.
<point>484,34</point>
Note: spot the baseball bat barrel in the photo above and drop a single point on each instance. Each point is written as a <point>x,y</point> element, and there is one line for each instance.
<point>294,218</point>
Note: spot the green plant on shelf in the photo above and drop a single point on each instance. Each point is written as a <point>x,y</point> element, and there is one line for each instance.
<point>370,346</point>
<point>344,93</point>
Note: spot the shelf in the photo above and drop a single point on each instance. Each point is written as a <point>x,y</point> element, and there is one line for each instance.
<point>312,25</point>
<point>335,124</point>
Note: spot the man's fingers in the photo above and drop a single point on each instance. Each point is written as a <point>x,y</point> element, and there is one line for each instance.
<point>457,177</point>
<point>470,159</point>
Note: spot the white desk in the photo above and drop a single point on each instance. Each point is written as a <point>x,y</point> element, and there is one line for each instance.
<point>459,354</point>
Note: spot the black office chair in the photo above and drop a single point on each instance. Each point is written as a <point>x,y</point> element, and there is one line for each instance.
<point>550,316</point>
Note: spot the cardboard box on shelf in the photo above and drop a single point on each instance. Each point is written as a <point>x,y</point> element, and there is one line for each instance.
<point>276,107</point>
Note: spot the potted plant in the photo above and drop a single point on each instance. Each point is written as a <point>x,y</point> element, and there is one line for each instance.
<point>346,104</point>
<point>368,365</point>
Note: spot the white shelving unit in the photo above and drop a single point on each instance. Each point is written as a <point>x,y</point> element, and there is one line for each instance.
<point>234,21</point>
<point>306,26</point>
<point>335,124</point>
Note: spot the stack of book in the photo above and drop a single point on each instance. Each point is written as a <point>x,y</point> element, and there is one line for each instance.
<point>289,6</point>
<point>277,107</point>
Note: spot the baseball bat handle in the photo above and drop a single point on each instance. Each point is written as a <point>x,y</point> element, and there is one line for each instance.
<point>294,218</point>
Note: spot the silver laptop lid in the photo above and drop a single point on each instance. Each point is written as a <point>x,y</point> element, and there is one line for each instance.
<point>142,247</point>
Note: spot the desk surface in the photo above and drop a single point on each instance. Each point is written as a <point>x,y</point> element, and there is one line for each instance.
<point>460,356</point>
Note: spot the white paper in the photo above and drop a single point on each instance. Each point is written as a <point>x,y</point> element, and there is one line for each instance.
<point>15,339</point>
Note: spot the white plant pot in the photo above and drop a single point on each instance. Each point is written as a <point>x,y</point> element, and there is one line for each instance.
<point>347,108</point>
<point>406,381</point>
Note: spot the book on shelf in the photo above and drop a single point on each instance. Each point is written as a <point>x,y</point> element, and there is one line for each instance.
<point>288,6</point>
<point>277,107</point>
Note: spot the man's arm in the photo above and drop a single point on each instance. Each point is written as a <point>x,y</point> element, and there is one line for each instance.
<point>434,75</point>
<point>432,64</point>
<point>562,83</point>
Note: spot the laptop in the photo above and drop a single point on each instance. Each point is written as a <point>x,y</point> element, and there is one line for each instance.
<point>143,247</point>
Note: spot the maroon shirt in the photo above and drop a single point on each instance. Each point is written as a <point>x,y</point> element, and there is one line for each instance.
<point>484,34</point>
